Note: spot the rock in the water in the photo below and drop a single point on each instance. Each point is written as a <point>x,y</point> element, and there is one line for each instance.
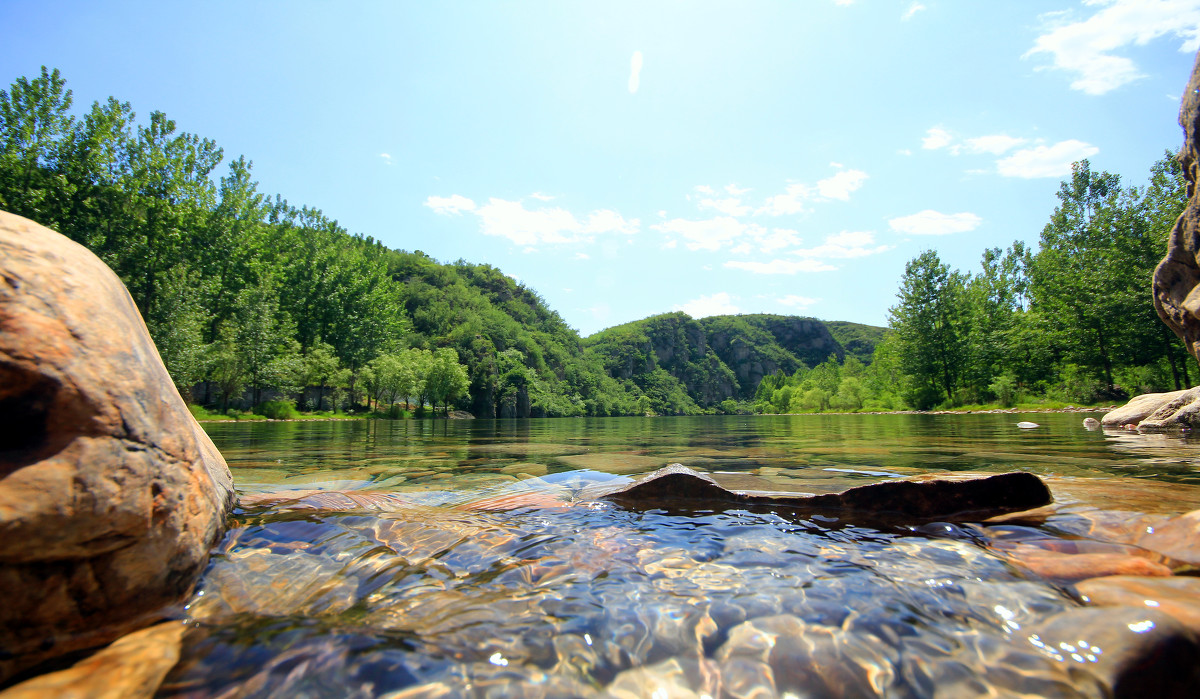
<point>1065,567</point>
<point>1028,425</point>
<point>917,499</point>
<point>132,667</point>
<point>111,495</point>
<point>1090,423</point>
<point>1177,277</point>
<point>1178,537</point>
<point>1176,596</point>
<point>1139,408</point>
<point>1121,652</point>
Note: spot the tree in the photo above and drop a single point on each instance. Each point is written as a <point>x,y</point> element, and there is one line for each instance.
<point>930,328</point>
<point>446,380</point>
<point>34,122</point>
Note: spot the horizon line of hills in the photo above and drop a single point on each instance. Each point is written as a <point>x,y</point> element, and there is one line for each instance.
<point>668,363</point>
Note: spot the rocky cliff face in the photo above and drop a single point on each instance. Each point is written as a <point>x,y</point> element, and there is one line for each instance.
<point>754,346</point>
<point>111,495</point>
<point>718,357</point>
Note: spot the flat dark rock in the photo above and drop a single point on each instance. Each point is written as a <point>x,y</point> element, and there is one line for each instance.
<point>678,487</point>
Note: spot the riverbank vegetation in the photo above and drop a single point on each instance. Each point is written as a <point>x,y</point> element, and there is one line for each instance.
<point>267,308</point>
<point>1070,323</point>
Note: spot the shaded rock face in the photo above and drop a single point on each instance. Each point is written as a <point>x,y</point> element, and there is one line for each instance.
<point>111,495</point>
<point>1177,278</point>
<point>908,500</point>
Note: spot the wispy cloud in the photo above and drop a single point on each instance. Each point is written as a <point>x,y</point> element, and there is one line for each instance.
<point>1045,161</point>
<point>930,222</point>
<point>709,234</point>
<point>781,266</point>
<point>635,72</point>
<point>936,137</point>
<point>451,205</point>
<point>841,185</point>
<point>718,304</point>
<point>794,301</point>
<point>912,10</point>
<point>386,158</point>
<point>847,244</point>
<point>795,197</point>
<point>792,201</point>
<point>995,144</point>
<point>1086,47</point>
<point>532,227</point>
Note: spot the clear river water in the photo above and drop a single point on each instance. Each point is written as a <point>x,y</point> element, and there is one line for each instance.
<point>464,558</point>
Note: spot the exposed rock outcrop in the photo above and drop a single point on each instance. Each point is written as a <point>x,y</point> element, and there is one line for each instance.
<point>1177,278</point>
<point>1163,408</point>
<point>111,495</point>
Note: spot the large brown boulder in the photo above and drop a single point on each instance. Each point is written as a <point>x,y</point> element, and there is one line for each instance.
<point>1177,278</point>
<point>111,495</point>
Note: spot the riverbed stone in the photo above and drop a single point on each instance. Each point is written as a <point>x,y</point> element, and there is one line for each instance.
<point>1176,596</point>
<point>1065,567</point>
<point>1121,651</point>
<point>111,495</point>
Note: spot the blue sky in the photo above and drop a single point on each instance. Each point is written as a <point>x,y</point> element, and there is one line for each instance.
<point>628,159</point>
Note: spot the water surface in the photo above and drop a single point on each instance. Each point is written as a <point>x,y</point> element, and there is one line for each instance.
<point>469,561</point>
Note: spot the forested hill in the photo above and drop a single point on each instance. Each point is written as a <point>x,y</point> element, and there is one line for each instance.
<point>688,364</point>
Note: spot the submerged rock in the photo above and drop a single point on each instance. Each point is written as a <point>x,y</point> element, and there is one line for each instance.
<point>1121,652</point>
<point>1177,596</point>
<point>915,499</point>
<point>110,493</point>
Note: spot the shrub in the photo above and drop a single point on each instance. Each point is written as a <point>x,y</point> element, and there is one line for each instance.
<point>277,410</point>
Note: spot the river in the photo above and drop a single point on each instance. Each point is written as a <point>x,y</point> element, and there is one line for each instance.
<point>457,558</point>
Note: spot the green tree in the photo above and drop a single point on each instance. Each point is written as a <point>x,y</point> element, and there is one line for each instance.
<point>930,329</point>
<point>446,380</point>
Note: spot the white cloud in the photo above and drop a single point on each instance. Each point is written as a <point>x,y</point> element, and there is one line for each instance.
<point>635,72</point>
<point>781,266</point>
<point>912,10</point>
<point>930,222</point>
<point>730,206</point>
<point>935,138</point>
<point>454,204</point>
<point>847,244</point>
<point>1045,161</point>
<point>996,144</point>
<point>704,189</point>
<point>904,151</point>
<point>778,239</point>
<point>510,219</point>
<point>790,202</point>
<point>541,197</point>
<point>1085,48</point>
<point>582,256</point>
<point>794,301</point>
<point>742,249</point>
<point>709,234</point>
<point>736,190</point>
<point>842,184</point>
<point>718,304</point>
<point>387,158</point>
